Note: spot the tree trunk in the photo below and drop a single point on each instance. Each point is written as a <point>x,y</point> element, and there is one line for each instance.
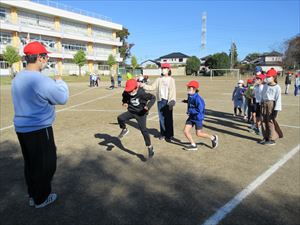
<point>80,71</point>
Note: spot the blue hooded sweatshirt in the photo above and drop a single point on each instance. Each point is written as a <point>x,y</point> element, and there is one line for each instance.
<point>196,107</point>
<point>34,96</point>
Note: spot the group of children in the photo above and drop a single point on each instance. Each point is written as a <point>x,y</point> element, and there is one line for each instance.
<point>138,103</point>
<point>94,80</point>
<point>261,100</point>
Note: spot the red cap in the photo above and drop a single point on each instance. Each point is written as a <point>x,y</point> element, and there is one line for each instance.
<point>289,72</point>
<point>271,73</point>
<point>193,84</point>
<point>130,85</point>
<point>261,76</point>
<point>35,48</point>
<point>249,81</point>
<point>166,65</point>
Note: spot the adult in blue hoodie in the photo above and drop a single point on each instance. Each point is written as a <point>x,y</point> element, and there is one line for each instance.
<point>196,112</point>
<point>34,96</point>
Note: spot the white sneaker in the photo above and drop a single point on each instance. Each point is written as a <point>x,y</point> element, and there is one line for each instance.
<point>51,198</point>
<point>191,148</point>
<point>31,202</point>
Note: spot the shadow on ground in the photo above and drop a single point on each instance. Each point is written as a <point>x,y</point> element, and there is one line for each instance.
<point>98,188</point>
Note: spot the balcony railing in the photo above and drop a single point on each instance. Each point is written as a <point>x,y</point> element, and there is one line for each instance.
<point>61,32</point>
<point>59,5</point>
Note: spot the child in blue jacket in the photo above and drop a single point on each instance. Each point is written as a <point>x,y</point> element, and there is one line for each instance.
<point>196,111</point>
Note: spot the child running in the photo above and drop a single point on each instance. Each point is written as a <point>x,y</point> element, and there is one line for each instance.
<point>138,104</point>
<point>196,111</point>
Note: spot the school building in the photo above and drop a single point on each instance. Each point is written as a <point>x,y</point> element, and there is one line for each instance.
<point>63,30</point>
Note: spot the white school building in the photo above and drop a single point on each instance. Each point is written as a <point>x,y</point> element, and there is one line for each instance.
<point>63,30</point>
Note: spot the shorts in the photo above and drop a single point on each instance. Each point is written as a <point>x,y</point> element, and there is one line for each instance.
<point>198,124</point>
<point>257,109</point>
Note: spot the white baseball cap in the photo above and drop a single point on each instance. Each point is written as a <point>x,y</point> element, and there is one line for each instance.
<point>241,82</point>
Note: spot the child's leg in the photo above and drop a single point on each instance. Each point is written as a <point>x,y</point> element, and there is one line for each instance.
<point>187,133</point>
<point>234,110</point>
<point>123,118</point>
<point>142,125</point>
<point>200,133</point>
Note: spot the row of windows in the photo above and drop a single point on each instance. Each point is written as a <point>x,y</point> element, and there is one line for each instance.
<point>46,22</point>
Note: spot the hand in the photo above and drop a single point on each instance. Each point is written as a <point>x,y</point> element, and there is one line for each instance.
<point>125,105</point>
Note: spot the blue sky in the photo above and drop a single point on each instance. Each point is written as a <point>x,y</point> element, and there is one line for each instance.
<point>161,27</point>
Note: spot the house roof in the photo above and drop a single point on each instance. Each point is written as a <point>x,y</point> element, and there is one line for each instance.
<point>150,60</point>
<point>273,53</point>
<point>174,55</point>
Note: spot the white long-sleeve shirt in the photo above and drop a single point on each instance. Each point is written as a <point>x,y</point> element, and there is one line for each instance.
<point>272,93</point>
<point>258,93</point>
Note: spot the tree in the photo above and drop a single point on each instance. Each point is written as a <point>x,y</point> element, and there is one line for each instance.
<point>124,50</point>
<point>111,61</point>
<point>11,56</point>
<point>80,59</point>
<point>192,65</point>
<point>134,62</point>
<point>292,53</point>
<point>252,56</point>
<point>218,61</point>
<point>233,55</point>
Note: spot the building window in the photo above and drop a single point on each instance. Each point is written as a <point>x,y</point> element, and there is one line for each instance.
<point>3,64</point>
<point>5,39</point>
<point>181,60</point>
<point>2,13</point>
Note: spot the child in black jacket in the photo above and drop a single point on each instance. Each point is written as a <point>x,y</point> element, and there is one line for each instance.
<point>138,104</point>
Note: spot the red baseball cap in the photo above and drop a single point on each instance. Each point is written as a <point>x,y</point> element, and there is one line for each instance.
<point>193,84</point>
<point>260,76</point>
<point>249,81</point>
<point>130,85</point>
<point>271,73</point>
<point>166,65</point>
<point>35,48</point>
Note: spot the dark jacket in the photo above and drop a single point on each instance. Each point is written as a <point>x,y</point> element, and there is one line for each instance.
<point>288,79</point>
<point>137,103</point>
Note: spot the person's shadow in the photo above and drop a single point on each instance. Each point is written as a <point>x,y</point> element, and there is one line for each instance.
<point>178,142</point>
<point>110,142</point>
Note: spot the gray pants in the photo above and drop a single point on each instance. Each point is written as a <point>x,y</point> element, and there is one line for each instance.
<point>287,86</point>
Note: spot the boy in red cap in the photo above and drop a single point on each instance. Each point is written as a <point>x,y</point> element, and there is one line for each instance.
<point>138,104</point>
<point>196,111</point>
<point>257,92</point>
<point>271,104</point>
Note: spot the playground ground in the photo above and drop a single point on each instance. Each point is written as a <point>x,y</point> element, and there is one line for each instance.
<point>102,180</point>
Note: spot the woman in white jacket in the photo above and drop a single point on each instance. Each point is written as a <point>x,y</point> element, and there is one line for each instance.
<point>166,98</point>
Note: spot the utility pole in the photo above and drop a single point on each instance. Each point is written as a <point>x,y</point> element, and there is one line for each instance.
<point>203,31</point>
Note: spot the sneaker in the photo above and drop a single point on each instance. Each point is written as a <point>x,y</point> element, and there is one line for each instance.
<point>31,202</point>
<point>234,115</point>
<point>191,148</point>
<point>169,140</point>
<point>150,151</point>
<point>51,198</point>
<point>262,141</point>
<point>270,143</point>
<point>124,132</point>
<point>161,137</point>
<point>215,142</point>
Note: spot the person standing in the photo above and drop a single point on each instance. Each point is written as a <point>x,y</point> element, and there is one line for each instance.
<point>237,98</point>
<point>271,104</point>
<point>166,100</point>
<point>138,104</point>
<point>34,96</point>
<point>288,82</point>
<point>297,83</point>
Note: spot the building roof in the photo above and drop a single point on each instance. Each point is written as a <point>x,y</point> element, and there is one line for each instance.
<point>174,55</point>
<point>273,53</point>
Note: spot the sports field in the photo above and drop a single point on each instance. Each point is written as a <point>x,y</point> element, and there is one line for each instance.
<point>102,180</point>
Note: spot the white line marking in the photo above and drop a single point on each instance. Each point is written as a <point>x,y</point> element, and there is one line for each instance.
<point>67,108</point>
<point>153,117</point>
<point>283,125</point>
<point>80,92</point>
<point>95,110</point>
<point>8,127</point>
<point>233,203</point>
